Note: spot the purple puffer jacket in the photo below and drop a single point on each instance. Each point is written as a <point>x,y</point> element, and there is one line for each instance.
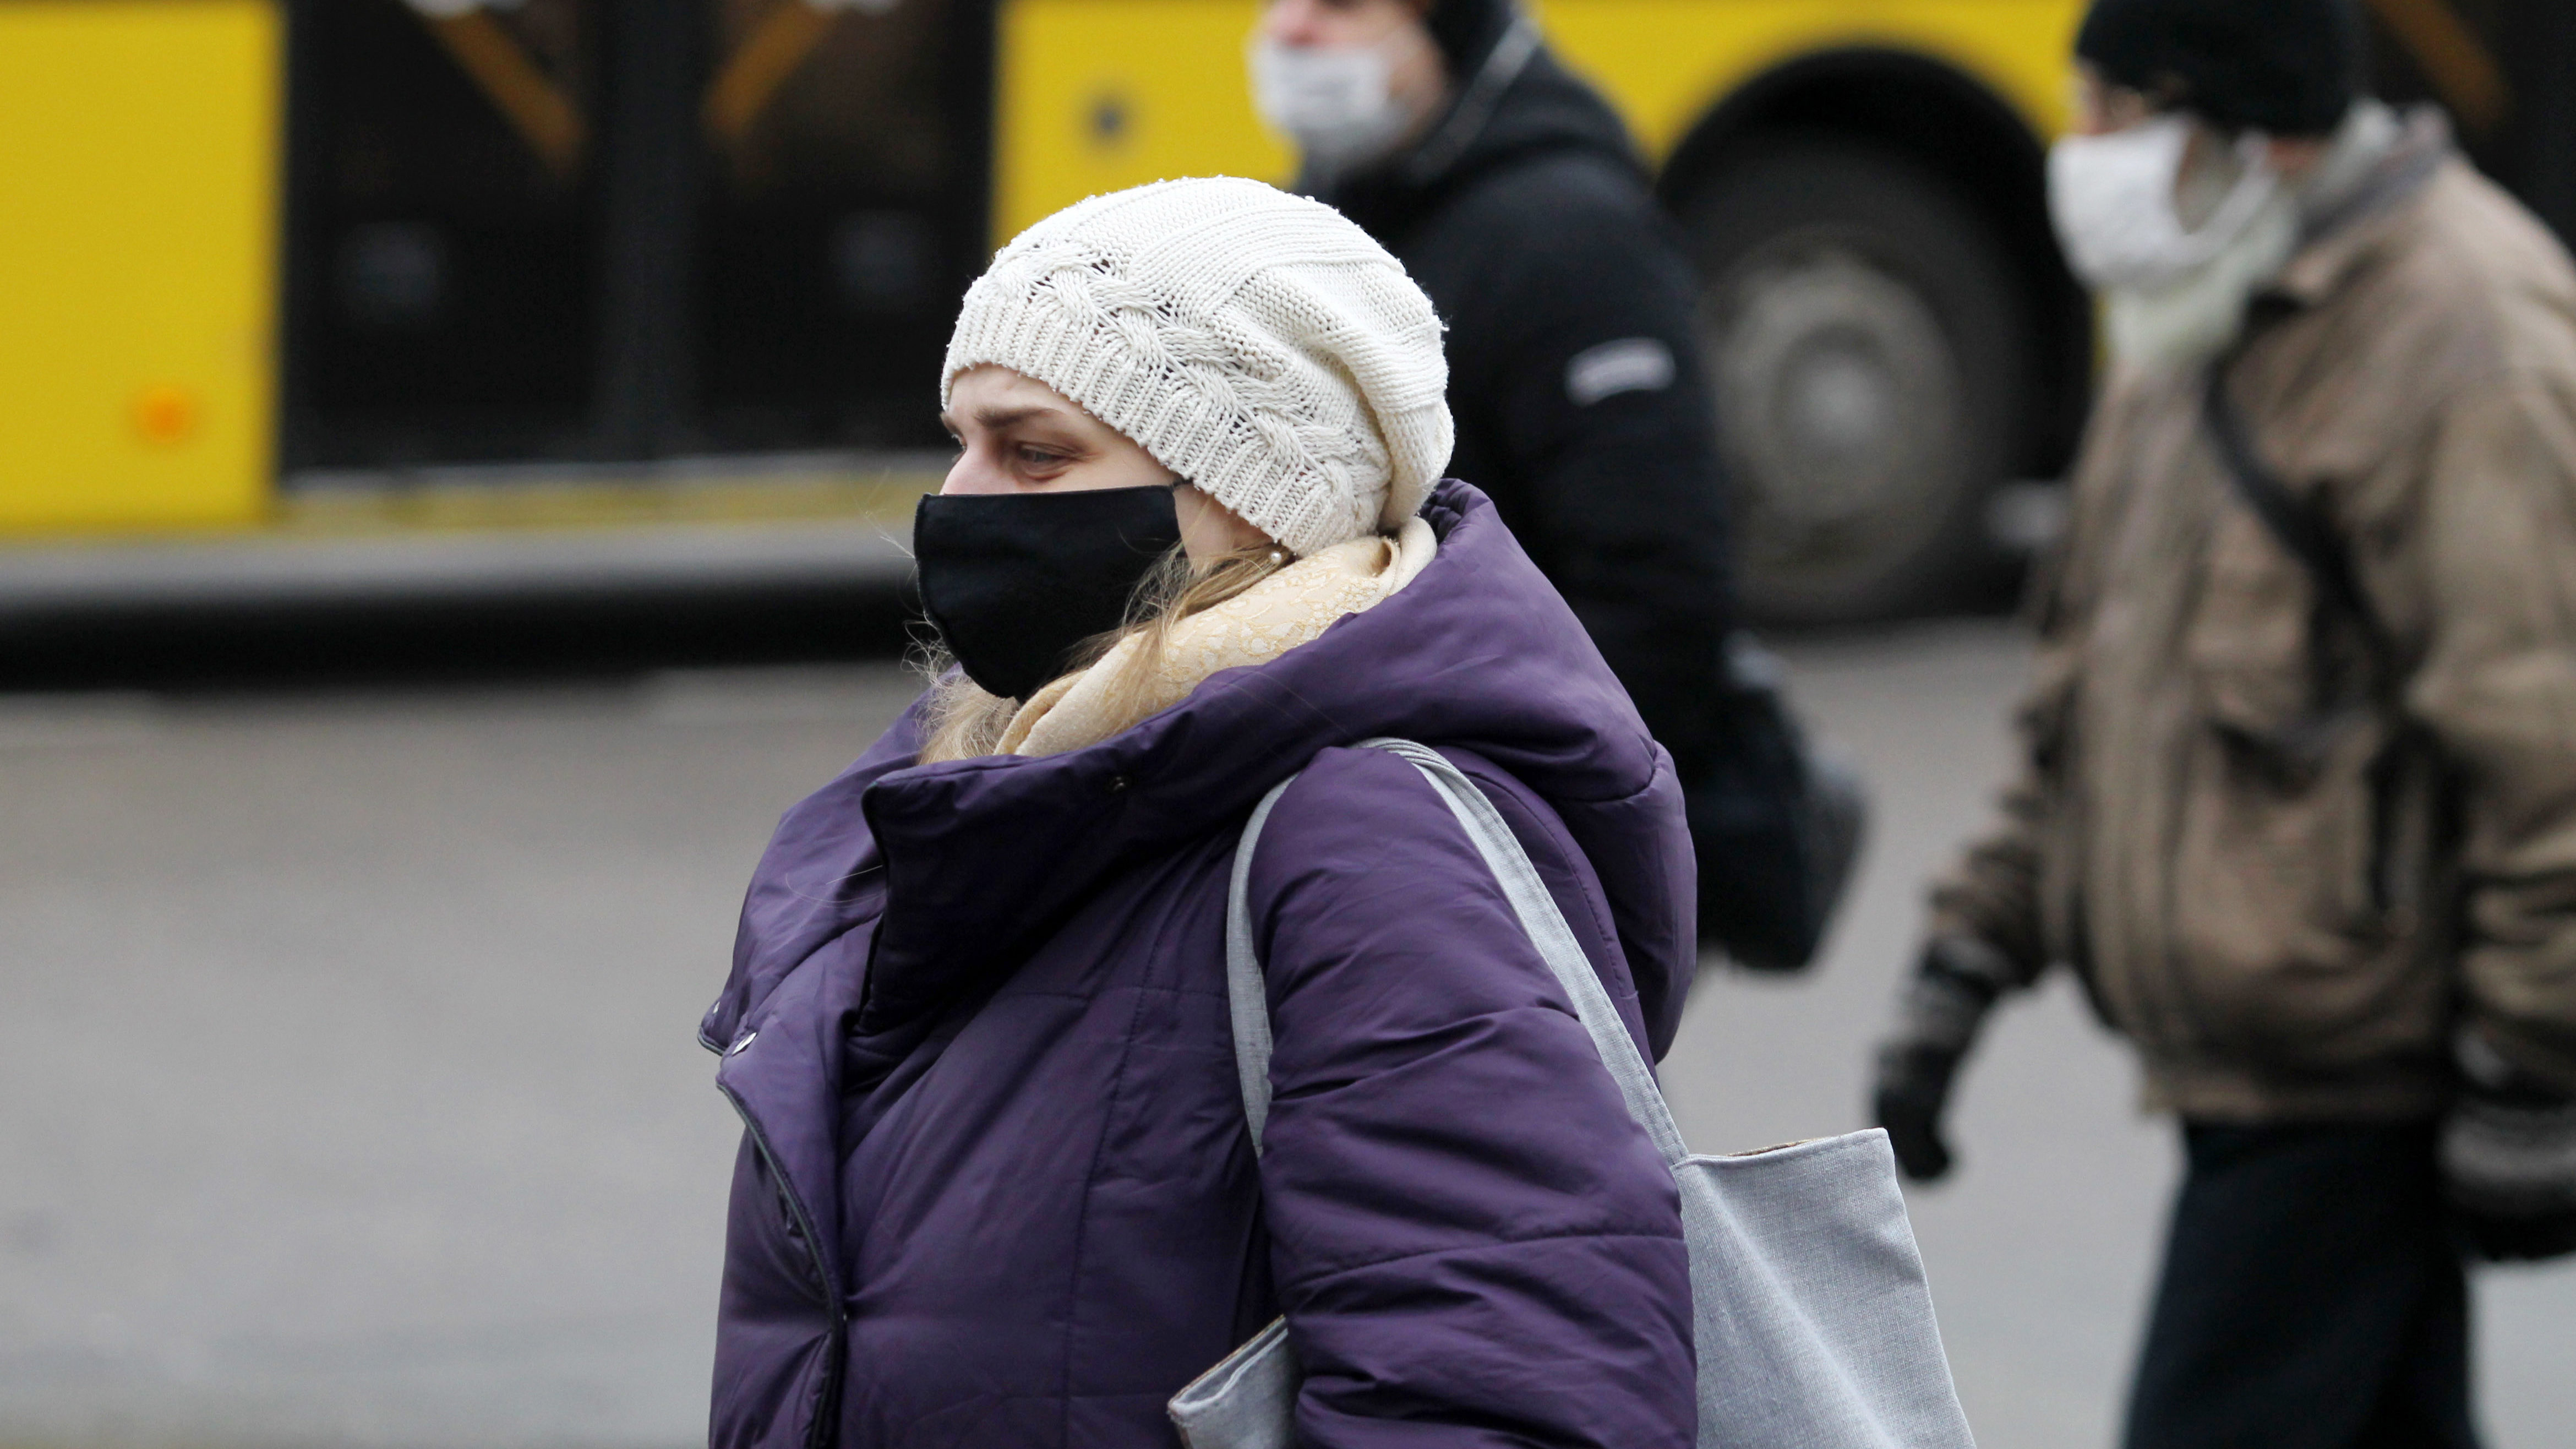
<point>997,1189</point>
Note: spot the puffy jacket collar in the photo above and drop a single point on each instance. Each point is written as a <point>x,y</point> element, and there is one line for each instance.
<point>982,858</point>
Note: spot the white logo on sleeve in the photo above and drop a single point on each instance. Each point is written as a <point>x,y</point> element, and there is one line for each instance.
<point>1631,364</point>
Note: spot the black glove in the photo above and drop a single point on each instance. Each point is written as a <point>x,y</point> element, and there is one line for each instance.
<point>2509,1156</point>
<point>1937,1021</point>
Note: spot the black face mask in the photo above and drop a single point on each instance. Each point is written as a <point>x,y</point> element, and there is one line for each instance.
<point>1014,582</point>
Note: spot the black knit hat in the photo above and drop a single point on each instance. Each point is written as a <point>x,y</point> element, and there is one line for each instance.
<point>2288,67</point>
<point>1467,30</point>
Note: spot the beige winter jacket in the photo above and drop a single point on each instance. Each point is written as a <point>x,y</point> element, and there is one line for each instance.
<point>2282,901</point>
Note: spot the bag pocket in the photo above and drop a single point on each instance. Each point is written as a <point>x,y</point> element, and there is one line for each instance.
<point>1813,1318</point>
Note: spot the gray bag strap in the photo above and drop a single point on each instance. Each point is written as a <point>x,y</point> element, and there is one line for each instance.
<point>1248,996</point>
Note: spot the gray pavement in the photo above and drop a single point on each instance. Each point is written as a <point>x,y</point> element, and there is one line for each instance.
<point>347,1093</point>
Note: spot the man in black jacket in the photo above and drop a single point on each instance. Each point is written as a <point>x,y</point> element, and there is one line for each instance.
<point>1513,195</point>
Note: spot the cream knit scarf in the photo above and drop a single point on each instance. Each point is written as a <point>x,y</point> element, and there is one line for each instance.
<point>1289,608</point>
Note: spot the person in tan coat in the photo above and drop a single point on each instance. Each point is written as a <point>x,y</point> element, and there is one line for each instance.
<point>2298,795</point>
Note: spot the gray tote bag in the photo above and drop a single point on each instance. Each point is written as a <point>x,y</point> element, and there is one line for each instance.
<point>1811,1316</point>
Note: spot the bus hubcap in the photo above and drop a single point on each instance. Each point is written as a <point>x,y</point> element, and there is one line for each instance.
<point>1838,397</point>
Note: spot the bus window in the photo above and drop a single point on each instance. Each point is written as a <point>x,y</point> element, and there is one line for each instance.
<point>845,215</point>
<point>440,296</point>
<point>2504,70</point>
<point>565,230</point>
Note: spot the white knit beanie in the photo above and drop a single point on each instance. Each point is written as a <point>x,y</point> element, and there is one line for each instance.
<point>1256,343</point>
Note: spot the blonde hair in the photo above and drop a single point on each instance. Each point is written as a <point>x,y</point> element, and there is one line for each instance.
<point>965,721</point>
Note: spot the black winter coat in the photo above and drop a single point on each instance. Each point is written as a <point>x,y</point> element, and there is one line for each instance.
<point>1573,372</point>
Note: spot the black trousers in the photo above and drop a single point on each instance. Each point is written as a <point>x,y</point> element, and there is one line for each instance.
<point>2313,1297</point>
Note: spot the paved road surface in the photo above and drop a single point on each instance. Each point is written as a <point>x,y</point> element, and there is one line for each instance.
<point>347,1094</point>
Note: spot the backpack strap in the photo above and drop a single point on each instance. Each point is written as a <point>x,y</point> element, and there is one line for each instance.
<point>2301,529</point>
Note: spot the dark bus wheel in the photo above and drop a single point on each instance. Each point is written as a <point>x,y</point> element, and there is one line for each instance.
<point>1869,356</point>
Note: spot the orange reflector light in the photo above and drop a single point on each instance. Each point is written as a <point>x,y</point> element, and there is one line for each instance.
<point>165,413</point>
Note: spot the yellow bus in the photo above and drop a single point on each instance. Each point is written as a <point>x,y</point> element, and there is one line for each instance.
<point>333,290</point>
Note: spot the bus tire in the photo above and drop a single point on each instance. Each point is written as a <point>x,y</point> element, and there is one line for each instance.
<point>1870,359</point>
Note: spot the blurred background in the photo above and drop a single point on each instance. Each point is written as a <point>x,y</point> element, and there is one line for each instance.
<point>455,463</point>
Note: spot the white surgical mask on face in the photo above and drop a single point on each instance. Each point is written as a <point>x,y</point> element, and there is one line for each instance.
<point>2112,197</point>
<point>1336,102</point>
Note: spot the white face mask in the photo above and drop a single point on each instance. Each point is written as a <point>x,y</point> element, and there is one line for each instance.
<point>2112,197</point>
<point>1336,102</point>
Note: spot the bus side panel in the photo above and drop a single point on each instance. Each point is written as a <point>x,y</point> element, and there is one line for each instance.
<point>1667,63</point>
<point>137,262</point>
<point>1100,94</point>
<point>1097,95</point>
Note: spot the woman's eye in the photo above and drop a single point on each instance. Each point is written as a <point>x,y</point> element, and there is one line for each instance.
<point>1040,458</point>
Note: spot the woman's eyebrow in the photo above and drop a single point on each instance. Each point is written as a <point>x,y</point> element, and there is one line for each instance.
<point>997,418</point>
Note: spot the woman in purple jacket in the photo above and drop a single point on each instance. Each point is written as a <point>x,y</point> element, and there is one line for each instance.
<point>997,1188</point>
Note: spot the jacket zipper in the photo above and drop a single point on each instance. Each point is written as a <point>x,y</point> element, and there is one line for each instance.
<point>821,1432</point>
